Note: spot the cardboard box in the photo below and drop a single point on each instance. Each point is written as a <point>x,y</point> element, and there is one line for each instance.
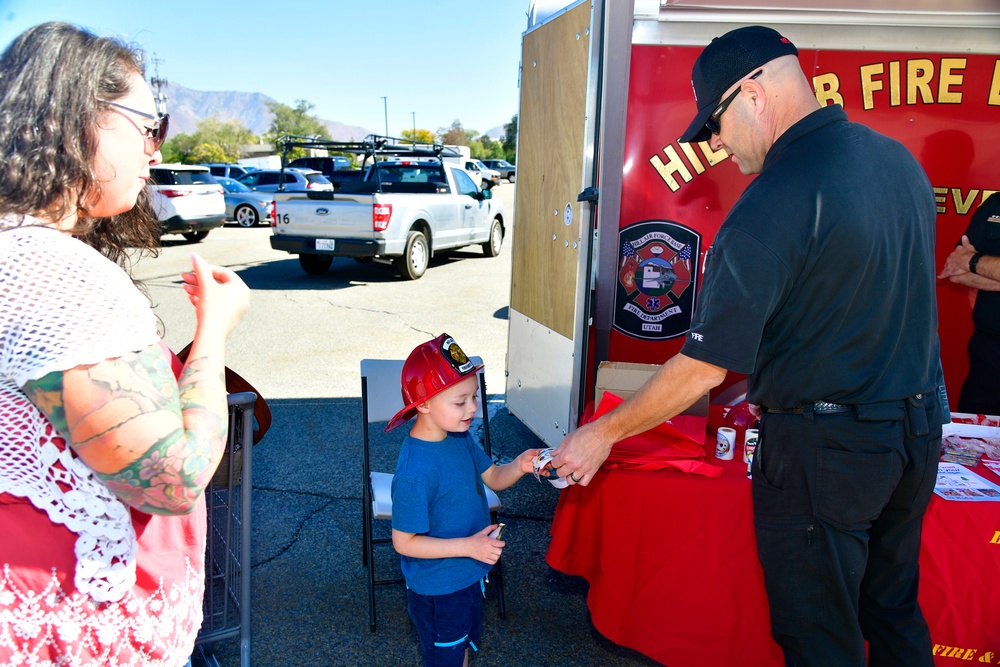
<point>624,378</point>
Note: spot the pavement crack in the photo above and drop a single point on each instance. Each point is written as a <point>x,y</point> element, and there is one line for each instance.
<point>302,524</point>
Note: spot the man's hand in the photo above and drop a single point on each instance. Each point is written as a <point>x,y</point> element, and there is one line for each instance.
<point>957,262</point>
<point>671,390</point>
<point>581,454</point>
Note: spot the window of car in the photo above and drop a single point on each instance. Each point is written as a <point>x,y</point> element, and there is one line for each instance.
<point>318,178</point>
<point>250,179</point>
<point>192,177</point>
<point>231,185</point>
<point>463,182</point>
<point>217,171</point>
<point>179,177</point>
<point>161,177</point>
<point>270,178</point>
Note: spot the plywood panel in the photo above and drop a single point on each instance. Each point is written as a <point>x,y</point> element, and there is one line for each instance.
<point>551,127</point>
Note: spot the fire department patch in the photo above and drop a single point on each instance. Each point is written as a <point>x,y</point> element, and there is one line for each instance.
<point>657,276</point>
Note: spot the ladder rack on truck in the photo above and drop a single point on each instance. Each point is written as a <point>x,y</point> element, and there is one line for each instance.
<point>373,147</point>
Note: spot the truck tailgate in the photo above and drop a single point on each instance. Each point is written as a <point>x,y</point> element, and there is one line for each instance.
<point>343,216</point>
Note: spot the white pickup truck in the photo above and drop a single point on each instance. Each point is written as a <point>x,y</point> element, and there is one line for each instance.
<point>402,211</point>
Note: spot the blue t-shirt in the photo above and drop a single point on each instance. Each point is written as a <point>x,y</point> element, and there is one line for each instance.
<point>438,491</point>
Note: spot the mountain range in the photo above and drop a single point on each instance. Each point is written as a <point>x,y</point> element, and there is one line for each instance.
<point>188,107</point>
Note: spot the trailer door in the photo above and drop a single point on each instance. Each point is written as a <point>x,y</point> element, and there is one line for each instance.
<point>549,284</point>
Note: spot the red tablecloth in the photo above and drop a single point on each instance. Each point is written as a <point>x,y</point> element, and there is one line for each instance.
<point>672,563</point>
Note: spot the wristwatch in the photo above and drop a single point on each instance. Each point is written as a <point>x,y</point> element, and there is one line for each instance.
<point>973,261</point>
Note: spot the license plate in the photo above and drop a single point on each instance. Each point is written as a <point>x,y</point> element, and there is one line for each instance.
<point>324,244</point>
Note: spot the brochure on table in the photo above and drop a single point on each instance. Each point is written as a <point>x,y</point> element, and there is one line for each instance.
<point>956,482</point>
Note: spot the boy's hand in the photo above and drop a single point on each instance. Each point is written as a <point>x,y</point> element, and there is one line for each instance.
<point>526,460</point>
<point>483,547</point>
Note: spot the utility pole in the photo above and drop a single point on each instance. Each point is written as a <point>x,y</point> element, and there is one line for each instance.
<point>385,104</point>
<point>158,85</point>
<point>414,115</point>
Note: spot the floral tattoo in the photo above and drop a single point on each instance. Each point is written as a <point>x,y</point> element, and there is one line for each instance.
<point>155,442</point>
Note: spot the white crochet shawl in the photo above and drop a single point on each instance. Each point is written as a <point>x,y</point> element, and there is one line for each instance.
<point>63,304</point>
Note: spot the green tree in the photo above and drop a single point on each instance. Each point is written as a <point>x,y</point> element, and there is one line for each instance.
<point>295,121</point>
<point>510,140</point>
<point>178,147</point>
<point>214,140</point>
<point>491,149</point>
<point>421,136</point>
<point>476,149</point>
<point>231,136</point>
<point>208,153</point>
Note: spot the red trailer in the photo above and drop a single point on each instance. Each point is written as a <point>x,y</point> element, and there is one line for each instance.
<point>607,196</point>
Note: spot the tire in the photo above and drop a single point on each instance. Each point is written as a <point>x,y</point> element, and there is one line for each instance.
<point>195,237</point>
<point>315,265</point>
<point>510,179</point>
<point>415,257</point>
<point>492,247</point>
<point>246,215</point>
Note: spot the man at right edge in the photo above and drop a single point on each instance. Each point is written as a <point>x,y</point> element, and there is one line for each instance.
<point>820,285</point>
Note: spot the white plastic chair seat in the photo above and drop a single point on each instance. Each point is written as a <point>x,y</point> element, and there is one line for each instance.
<point>382,496</point>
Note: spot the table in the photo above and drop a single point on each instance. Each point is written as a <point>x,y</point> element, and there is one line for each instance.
<point>672,564</point>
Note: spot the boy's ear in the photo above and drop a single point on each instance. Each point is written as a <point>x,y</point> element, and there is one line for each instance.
<point>423,408</point>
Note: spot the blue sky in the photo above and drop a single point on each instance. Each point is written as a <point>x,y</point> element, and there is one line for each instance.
<point>434,61</point>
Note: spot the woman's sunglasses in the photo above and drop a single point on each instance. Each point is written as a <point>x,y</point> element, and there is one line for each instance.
<point>157,133</point>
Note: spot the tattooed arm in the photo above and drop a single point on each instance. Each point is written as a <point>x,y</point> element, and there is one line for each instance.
<point>154,441</point>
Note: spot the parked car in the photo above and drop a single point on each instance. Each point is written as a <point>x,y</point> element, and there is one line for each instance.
<point>227,169</point>
<point>245,206</point>
<point>186,199</point>
<point>326,165</point>
<point>266,180</point>
<point>505,168</point>
<point>482,171</point>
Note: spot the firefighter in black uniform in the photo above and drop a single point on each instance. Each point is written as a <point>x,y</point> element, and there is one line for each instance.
<point>975,263</point>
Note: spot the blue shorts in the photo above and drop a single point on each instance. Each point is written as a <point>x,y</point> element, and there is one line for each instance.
<point>447,624</point>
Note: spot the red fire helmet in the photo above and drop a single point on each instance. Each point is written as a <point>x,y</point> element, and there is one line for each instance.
<point>430,369</point>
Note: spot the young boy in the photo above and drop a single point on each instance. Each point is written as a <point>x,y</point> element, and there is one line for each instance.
<point>440,516</point>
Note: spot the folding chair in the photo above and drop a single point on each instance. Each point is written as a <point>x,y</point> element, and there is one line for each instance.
<point>380,400</point>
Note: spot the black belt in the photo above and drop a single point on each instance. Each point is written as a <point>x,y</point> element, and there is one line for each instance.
<point>819,406</point>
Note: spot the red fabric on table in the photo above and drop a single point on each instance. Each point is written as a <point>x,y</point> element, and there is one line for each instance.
<point>672,564</point>
<point>959,571</point>
<point>672,444</point>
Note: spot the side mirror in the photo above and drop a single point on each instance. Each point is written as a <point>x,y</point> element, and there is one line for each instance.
<point>486,194</point>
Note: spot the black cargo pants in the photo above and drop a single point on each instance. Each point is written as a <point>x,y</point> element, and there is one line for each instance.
<point>838,505</point>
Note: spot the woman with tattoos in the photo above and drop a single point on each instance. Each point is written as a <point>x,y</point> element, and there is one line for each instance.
<point>104,453</point>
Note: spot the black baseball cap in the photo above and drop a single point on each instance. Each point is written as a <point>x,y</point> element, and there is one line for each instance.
<point>725,61</point>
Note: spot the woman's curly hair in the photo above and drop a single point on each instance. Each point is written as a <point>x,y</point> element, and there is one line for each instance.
<point>52,78</point>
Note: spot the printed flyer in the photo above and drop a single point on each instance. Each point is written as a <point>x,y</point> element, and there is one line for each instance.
<point>956,482</point>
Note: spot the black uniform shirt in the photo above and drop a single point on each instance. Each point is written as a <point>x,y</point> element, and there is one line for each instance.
<point>821,282</point>
<point>984,234</point>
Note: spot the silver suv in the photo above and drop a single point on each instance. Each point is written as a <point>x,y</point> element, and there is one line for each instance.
<point>226,169</point>
<point>187,200</point>
<point>266,180</point>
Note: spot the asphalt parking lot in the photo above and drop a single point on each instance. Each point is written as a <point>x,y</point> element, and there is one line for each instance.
<point>301,346</point>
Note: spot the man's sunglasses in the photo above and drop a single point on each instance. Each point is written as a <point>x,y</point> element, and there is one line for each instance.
<point>712,124</point>
<point>157,133</point>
